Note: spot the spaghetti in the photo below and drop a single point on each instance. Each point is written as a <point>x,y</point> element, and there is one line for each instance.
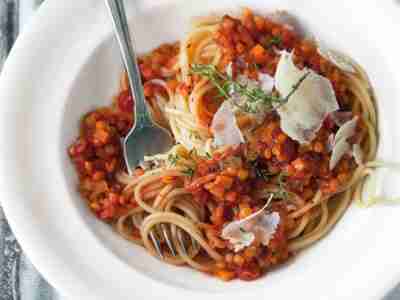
<point>189,195</point>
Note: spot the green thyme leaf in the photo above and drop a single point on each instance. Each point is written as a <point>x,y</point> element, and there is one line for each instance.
<point>212,74</point>
<point>259,171</point>
<point>254,95</point>
<point>195,135</point>
<point>275,41</point>
<point>193,153</point>
<point>264,174</point>
<point>189,172</point>
<point>173,159</point>
<point>282,193</point>
<point>256,66</point>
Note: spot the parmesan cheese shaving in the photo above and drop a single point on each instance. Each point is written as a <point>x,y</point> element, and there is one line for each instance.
<point>340,144</point>
<point>224,127</point>
<point>358,154</point>
<point>303,115</point>
<point>346,130</point>
<point>267,82</point>
<point>242,241</point>
<point>258,226</point>
<point>335,57</point>
<point>267,227</point>
<point>338,151</point>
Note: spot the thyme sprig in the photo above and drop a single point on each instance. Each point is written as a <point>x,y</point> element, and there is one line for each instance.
<point>189,172</point>
<point>218,79</point>
<point>254,95</point>
<point>264,174</point>
<point>173,159</point>
<point>282,192</point>
<point>274,41</point>
<point>259,171</point>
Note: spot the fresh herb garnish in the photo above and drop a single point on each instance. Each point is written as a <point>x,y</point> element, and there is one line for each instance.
<point>242,230</point>
<point>213,75</point>
<point>282,193</point>
<point>275,41</point>
<point>195,135</point>
<point>259,171</point>
<point>254,95</point>
<point>264,174</point>
<point>193,153</point>
<point>256,66</point>
<point>173,159</point>
<point>189,172</point>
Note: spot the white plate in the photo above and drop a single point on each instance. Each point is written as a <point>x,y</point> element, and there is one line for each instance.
<point>67,63</point>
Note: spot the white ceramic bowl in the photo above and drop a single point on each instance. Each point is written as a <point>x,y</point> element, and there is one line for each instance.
<point>68,63</point>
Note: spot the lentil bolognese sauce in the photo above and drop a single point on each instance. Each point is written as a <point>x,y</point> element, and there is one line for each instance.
<point>274,136</point>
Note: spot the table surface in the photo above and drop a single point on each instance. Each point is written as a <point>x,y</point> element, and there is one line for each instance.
<point>19,280</point>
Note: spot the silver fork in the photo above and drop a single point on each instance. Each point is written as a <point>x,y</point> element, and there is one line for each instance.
<point>154,236</point>
<point>156,239</point>
<point>145,138</point>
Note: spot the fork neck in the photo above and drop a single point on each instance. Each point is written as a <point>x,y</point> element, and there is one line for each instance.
<point>143,119</point>
<point>128,53</point>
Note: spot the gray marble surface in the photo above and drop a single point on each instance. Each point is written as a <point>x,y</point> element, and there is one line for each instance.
<point>19,280</point>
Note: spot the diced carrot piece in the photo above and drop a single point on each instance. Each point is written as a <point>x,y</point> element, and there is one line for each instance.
<point>172,84</point>
<point>225,275</point>
<point>225,182</point>
<point>259,54</point>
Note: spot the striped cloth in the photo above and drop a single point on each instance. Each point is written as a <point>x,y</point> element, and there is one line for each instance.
<point>18,278</point>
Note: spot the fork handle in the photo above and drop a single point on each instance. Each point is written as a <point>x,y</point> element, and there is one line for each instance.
<point>121,29</point>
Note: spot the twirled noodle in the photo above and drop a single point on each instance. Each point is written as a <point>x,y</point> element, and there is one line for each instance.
<point>183,223</point>
<point>190,44</point>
